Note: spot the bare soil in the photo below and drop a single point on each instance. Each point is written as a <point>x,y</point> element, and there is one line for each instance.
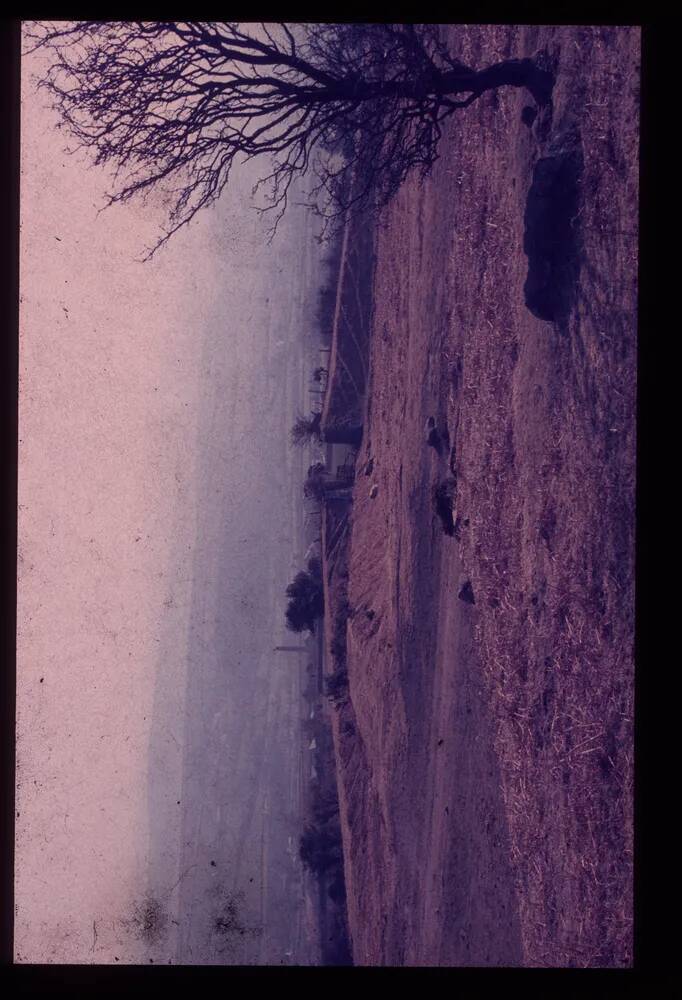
<point>485,749</point>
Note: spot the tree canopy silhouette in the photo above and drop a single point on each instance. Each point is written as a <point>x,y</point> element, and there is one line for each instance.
<point>306,599</point>
<point>320,485</point>
<point>179,103</point>
<point>308,429</point>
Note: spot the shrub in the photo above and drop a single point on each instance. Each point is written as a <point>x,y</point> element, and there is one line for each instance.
<point>338,643</point>
<point>336,684</point>
<point>320,847</point>
<point>443,497</point>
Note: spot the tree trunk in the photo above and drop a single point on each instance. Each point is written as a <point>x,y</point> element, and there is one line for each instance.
<point>510,73</point>
<point>462,80</point>
<point>343,435</point>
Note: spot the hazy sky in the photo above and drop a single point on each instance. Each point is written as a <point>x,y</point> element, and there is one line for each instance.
<point>155,536</point>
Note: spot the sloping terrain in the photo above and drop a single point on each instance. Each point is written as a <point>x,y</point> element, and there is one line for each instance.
<point>486,766</point>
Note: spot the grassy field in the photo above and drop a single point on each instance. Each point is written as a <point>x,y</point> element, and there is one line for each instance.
<point>485,750</point>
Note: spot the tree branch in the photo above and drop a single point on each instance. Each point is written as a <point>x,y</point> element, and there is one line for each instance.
<point>175,103</point>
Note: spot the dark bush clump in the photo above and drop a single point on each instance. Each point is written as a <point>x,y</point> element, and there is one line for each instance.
<point>337,685</point>
<point>306,600</point>
<point>320,846</point>
<point>443,497</point>
<point>337,682</point>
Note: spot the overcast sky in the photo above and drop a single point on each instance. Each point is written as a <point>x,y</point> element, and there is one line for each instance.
<point>156,532</point>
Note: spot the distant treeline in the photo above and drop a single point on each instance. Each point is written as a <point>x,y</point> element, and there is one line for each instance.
<point>321,849</point>
<point>326,296</point>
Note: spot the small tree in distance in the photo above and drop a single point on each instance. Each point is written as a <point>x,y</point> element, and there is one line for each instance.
<point>320,486</point>
<point>306,599</point>
<point>307,429</point>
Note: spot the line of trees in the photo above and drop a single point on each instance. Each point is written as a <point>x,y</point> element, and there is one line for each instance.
<point>321,849</point>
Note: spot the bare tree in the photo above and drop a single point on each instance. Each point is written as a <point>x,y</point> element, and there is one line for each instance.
<point>178,103</point>
<point>308,429</point>
<point>321,486</point>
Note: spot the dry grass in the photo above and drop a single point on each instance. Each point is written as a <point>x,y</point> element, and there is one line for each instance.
<point>542,419</point>
<point>546,423</point>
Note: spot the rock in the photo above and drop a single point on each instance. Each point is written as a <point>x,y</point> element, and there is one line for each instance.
<point>373,492</point>
<point>466,593</point>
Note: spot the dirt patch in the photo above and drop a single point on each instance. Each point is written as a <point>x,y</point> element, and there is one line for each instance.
<point>485,750</point>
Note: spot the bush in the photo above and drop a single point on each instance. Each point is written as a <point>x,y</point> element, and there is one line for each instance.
<point>443,497</point>
<point>320,847</point>
<point>337,685</point>
<point>325,808</point>
<point>338,643</point>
